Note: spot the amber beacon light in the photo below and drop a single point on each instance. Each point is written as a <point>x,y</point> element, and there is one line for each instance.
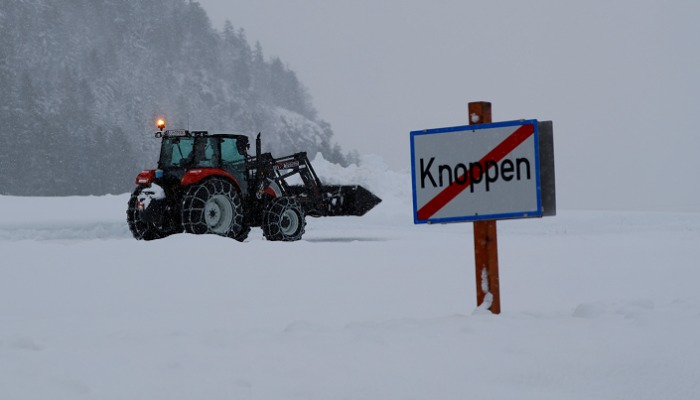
<point>160,123</point>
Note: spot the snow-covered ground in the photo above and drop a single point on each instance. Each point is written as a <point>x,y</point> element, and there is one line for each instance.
<point>596,305</point>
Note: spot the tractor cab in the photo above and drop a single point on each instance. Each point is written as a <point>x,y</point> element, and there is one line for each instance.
<point>200,150</point>
<point>182,151</point>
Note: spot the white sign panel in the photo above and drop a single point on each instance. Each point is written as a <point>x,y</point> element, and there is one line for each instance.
<point>476,172</point>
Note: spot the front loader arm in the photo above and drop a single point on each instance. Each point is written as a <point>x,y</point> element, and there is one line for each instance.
<point>317,199</point>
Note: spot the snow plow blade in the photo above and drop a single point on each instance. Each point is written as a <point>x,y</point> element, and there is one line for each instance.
<point>348,200</point>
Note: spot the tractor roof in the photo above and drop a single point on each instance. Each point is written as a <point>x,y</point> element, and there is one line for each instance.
<point>186,133</point>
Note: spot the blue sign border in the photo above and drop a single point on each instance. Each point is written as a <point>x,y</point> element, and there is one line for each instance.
<point>471,218</point>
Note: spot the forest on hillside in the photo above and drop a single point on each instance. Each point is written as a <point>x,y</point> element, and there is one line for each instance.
<point>83,81</point>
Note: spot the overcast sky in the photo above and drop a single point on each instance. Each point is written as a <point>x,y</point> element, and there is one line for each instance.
<point>619,79</point>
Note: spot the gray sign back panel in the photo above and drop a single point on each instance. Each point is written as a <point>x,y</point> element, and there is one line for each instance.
<point>547,181</point>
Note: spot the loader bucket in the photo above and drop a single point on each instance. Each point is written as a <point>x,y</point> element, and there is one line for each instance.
<point>348,200</point>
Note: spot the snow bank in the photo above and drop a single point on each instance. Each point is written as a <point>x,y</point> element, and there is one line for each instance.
<point>73,217</point>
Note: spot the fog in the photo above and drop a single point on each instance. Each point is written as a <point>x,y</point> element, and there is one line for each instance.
<point>618,79</point>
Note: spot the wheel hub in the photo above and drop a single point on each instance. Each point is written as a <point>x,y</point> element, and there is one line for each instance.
<point>218,213</point>
<point>289,222</point>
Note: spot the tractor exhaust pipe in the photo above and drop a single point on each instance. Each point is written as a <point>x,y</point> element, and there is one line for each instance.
<point>258,147</point>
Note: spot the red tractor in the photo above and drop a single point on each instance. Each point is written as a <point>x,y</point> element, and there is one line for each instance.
<point>209,184</point>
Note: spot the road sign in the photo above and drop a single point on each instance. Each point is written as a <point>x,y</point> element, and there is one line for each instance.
<point>476,172</point>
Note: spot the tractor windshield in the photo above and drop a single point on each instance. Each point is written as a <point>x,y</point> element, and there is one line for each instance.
<point>176,152</point>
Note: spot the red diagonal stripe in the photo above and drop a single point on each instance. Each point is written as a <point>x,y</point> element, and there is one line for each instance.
<point>497,154</point>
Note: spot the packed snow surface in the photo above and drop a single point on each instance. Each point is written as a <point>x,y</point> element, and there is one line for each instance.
<point>596,305</point>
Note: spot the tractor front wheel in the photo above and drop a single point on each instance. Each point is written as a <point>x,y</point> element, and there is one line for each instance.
<point>214,206</point>
<point>283,220</point>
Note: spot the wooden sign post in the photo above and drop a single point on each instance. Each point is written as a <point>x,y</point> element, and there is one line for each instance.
<point>488,293</point>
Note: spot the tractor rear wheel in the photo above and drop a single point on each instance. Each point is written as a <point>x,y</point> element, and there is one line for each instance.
<point>145,230</point>
<point>214,206</point>
<point>283,220</point>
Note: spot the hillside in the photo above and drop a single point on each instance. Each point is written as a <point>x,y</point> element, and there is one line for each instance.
<point>83,82</point>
